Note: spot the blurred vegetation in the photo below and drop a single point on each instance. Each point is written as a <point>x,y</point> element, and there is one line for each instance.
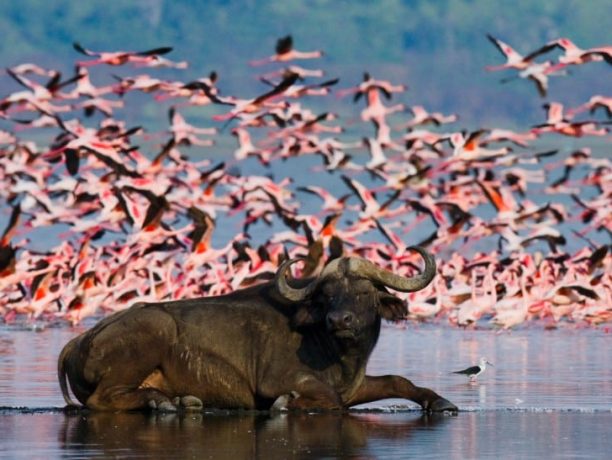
<point>437,47</point>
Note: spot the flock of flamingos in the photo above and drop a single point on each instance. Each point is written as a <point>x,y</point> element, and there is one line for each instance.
<point>520,232</point>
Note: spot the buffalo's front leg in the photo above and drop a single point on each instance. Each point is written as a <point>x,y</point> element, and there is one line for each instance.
<point>125,397</point>
<point>310,393</point>
<point>394,386</point>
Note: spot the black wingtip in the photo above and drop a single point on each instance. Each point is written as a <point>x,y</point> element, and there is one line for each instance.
<point>77,46</point>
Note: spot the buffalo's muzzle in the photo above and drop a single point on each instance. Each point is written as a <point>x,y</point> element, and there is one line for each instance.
<point>340,320</point>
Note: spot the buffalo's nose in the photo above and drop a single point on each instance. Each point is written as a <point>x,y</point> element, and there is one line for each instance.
<point>340,320</point>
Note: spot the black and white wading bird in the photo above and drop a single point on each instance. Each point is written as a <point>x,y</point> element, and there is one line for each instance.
<point>474,371</point>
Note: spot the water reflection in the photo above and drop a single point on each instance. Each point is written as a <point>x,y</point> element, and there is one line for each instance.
<point>484,434</point>
<point>240,436</point>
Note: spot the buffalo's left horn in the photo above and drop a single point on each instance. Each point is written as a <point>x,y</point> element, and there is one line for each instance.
<point>368,270</point>
<point>288,292</point>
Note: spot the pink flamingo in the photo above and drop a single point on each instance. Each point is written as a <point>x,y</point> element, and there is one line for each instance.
<point>573,55</point>
<point>499,135</point>
<point>105,106</point>
<point>370,207</point>
<point>512,310</point>
<point>538,72</point>
<point>250,106</point>
<point>514,60</point>
<point>423,309</point>
<point>557,123</point>
<point>422,117</point>
<point>300,71</point>
<point>470,311</point>
<point>330,202</point>
<point>313,89</point>
<point>284,52</point>
<point>246,147</point>
<point>119,57</point>
<point>7,251</point>
<point>593,104</point>
<point>184,133</point>
<point>469,148</point>
<point>85,87</point>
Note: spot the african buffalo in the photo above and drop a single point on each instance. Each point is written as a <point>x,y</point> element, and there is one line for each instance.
<point>288,344</point>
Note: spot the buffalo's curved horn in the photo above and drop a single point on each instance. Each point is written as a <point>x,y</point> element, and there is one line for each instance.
<point>288,292</point>
<point>368,270</point>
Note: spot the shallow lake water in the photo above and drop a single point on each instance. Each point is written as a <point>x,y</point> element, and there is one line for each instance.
<point>548,396</point>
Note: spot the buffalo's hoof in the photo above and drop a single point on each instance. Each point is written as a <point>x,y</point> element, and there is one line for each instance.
<point>282,402</point>
<point>442,405</point>
<point>188,402</point>
<point>164,406</point>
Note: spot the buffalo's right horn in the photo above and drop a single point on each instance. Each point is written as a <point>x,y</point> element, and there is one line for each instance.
<point>288,292</point>
<point>367,269</point>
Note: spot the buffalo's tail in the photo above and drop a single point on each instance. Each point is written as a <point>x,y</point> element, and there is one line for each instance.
<point>61,372</point>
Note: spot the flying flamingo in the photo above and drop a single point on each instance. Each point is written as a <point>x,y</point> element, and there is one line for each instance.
<point>514,60</point>
<point>28,67</point>
<point>313,89</point>
<point>85,87</point>
<point>375,110</point>
<point>538,72</point>
<point>119,57</point>
<point>91,105</point>
<point>249,106</point>
<point>7,251</point>
<point>370,207</point>
<point>500,197</point>
<point>378,158</point>
<point>593,104</point>
<point>144,83</point>
<point>158,61</point>
<point>78,140</point>
<point>284,52</point>
<point>468,147</point>
<point>368,83</point>
<point>330,202</point>
<point>247,148</point>
<point>573,55</point>
<point>520,139</point>
<point>423,117</point>
<point>557,123</point>
<point>184,133</point>
<point>37,96</point>
<point>300,71</point>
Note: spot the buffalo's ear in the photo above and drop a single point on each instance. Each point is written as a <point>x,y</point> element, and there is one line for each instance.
<point>391,308</point>
<point>306,315</point>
